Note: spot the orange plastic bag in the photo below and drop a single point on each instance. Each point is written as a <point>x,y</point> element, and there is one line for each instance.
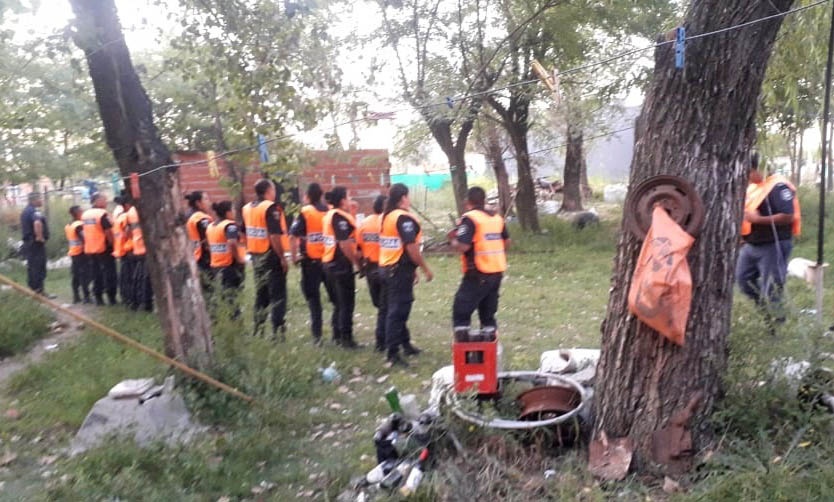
<point>661,289</point>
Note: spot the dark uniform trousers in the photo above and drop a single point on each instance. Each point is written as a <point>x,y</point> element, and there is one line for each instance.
<point>127,272</point>
<point>35,253</point>
<point>399,296</point>
<point>477,291</point>
<point>80,281</point>
<point>142,290</point>
<point>343,284</point>
<point>312,276</point>
<point>103,274</point>
<point>270,290</point>
<point>373,274</point>
<point>207,278</point>
<point>231,285</point>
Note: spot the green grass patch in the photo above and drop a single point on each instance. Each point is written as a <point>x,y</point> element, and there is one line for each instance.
<point>22,323</point>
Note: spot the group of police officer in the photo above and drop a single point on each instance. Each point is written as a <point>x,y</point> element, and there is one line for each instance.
<point>331,248</point>
<point>325,242</point>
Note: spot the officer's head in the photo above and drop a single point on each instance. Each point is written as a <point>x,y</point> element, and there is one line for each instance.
<point>397,198</point>
<point>35,199</point>
<point>339,198</point>
<point>754,175</point>
<point>198,200</point>
<point>379,204</point>
<point>265,190</point>
<point>99,200</point>
<point>314,193</point>
<point>476,198</point>
<point>75,212</point>
<point>223,210</point>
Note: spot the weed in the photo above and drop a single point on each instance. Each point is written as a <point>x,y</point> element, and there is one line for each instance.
<point>22,323</point>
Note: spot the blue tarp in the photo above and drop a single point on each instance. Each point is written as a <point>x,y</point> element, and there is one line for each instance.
<point>432,181</point>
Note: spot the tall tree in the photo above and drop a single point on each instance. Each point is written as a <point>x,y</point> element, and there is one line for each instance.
<point>494,147</point>
<point>131,135</point>
<point>697,123</point>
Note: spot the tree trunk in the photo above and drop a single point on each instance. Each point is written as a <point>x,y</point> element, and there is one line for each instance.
<point>697,123</point>
<point>572,177</point>
<point>800,159</point>
<point>587,193</point>
<point>792,154</point>
<point>495,156</point>
<point>128,125</point>
<point>828,180</point>
<point>525,197</point>
<point>454,149</point>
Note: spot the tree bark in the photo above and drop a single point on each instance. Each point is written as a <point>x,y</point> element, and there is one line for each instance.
<point>572,176</point>
<point>128,125</point>
<point>697,123</point>
<point>495,156</point>
<point>587,193</point>
<point>800,159</point>
<point>455,150</point>
<point>515,120</point>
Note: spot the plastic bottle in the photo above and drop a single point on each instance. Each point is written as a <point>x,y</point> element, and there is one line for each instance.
<point>379,472</point>
<point>393,398</point>
<point>416,475</point>
<point>396,476</point>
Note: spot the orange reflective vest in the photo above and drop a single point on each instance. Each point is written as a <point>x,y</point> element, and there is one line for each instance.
<point>391,246</point>
<point>194,233</point>
<point>758,192</point>
<point>329,234</point>
<point>136,232</point>
<point>314,240</point>
<point>95,241</point>
<point>221,252</point>
<point>76,246</point>
<point>122,245</point>
<point>368,237</point>
<point>487,243</point>
<point>254,218</point>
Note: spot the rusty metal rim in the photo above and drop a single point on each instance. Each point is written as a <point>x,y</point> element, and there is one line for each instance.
<point>546,399</point>
<point>675,194</point>
<point>451,399</point>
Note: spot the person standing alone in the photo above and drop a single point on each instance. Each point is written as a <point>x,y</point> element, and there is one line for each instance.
<point>35,234</point>
<point>771,218</point>
<point>482,239</point>
<point>262,227</point>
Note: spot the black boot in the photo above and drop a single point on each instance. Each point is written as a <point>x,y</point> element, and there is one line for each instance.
<point>394,360</point>
<point>410,350</point>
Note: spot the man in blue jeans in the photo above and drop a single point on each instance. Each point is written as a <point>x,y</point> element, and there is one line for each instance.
<point>771,219</point>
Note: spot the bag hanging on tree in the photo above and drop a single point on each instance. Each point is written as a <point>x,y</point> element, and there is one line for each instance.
<point>661,288</point>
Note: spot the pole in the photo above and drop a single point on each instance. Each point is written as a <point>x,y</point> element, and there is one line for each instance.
<point>825,147</point>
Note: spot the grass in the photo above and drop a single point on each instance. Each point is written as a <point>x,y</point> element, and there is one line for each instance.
<point>310,437</point>
<point>21,324</point>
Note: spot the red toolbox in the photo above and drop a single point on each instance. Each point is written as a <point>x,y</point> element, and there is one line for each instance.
<point>476,366</point>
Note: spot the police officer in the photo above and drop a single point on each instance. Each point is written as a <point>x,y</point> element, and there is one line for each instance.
<point>142,293</point>
<point>75,240</point>
<point>227,254</point>
<point>98,246</point>
<point>482,239</point>
<point>196,225</point>
<point>340,257</point>
<point>368,240</point>
<point>262,227</point>
<point>123,251</point>
<point>399,258</point>
<point>307,250</point>
<point>35,234</point>
<point>771,218</point>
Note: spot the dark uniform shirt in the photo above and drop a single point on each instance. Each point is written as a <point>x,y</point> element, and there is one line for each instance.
<point>28,217</point>
<point>299,227</point>
<point>342,230</point>
<point>466,233</point>
<point>778,201</point>
<point>409,229</point>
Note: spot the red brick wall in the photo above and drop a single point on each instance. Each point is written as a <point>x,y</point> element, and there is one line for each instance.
<point>364,172</point>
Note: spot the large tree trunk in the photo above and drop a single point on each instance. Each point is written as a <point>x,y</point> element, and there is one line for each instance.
<point>587,193</point>
<point>572,176</point>
<point>128,125</point>
<point>697,123</point>
<point>454,149</point>
<point>525,197</point>
<point>800,159</point>
<point>495,156</point>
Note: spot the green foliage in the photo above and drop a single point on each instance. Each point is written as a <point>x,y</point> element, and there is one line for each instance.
<point>22,323</point>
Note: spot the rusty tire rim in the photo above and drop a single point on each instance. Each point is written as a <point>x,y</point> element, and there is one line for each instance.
<point>674,194</point>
